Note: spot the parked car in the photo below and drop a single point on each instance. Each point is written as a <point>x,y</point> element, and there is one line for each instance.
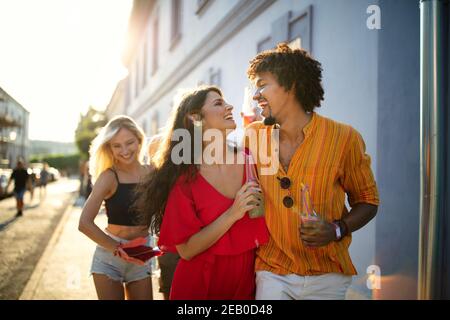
<point>5,174</point>
<point>54,174</point>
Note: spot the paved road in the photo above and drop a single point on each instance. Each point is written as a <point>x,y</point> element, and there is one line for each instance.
<point>23,239</point>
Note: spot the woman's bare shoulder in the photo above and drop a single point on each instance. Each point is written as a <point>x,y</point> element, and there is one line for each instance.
<point>106,181</point>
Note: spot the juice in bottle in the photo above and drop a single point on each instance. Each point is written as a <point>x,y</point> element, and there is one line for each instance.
<point>252,175</point>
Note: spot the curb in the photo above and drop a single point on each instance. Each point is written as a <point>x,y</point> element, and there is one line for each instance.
<point>41,266</point>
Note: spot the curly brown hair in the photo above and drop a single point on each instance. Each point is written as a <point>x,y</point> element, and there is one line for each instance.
<point>154,190</point>
<point>292,68</point>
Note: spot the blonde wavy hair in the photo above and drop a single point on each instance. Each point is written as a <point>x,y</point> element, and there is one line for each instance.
<point>100,154</point>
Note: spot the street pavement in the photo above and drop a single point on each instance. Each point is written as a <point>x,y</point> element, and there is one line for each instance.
<point>63,270</point>
<point>43,255</point>
<point>23,239</point>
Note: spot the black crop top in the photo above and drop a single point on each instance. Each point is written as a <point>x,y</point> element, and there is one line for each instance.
<point>118,205</point>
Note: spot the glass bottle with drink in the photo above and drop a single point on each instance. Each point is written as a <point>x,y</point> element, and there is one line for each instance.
<point>252,176</point>
<point>307,212</point>
<point>250,112</point>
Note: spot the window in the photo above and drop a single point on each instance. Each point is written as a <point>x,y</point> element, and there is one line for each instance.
<point>144,65</point>
<point>136,78</point>
<point>175,34</point>
<point>155,123</point>
<point>214,77</point>
<point>128,90</point>
<point>155,46</point>
<point>294,28</point>
<point>144,127</point>
<point>264,44</point>
<point>299,30</point>
<point>201,6</point>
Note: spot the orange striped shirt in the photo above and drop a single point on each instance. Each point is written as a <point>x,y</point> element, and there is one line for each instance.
<point>332,162</point>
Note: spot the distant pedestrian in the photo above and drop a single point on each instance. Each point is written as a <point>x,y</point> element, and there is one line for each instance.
<point>87,183</point>
<point>83,171</point>
<point>22,181</point>
<point>116,168</point>
<point>43,180</point>
<point>32,185</point>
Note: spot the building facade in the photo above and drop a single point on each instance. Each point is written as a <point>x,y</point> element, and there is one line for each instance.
<point>116,105</point>
<point>369,50</point>
<point>14,142</point>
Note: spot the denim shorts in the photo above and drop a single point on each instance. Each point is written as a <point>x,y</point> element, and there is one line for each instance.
<point>117,269</point>
<point>19,193</point>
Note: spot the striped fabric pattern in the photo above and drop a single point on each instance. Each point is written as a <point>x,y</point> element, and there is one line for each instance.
<point>332,162</point>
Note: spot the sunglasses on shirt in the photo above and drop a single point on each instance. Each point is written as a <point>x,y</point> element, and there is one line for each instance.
<point>285,183</point>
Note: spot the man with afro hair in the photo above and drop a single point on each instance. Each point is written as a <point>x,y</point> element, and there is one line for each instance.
<point>320,162</point>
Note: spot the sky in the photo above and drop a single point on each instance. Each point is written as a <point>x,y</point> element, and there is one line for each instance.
<point>58,57</point>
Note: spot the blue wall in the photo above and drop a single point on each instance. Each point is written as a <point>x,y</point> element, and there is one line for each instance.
<point>398,172</point>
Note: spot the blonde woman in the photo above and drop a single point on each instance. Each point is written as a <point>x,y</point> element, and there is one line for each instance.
<point>116,168</point>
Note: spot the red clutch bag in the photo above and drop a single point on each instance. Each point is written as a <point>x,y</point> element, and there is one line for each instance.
<point>142,253</point>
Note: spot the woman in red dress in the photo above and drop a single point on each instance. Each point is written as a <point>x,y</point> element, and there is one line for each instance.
<point>199,205</point>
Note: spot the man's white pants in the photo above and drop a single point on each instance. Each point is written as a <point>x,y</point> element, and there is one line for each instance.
<point>329,286</point>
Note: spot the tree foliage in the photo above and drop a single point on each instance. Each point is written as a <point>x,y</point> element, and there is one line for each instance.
<point>68,163</point>
<point>87,129</point>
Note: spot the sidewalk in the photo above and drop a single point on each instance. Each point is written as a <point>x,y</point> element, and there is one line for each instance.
<point>63,270</point>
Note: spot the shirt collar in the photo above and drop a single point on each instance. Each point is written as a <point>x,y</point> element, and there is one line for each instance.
<point>308,129</point>
<point>310,126</point>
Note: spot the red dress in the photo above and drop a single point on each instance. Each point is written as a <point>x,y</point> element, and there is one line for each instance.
<point>226,270</point>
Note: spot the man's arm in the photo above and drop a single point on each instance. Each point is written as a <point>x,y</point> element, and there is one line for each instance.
<point>8,184</point>
<point>321,233</point>
<point>359,216</point>
<point>11,178</point>
<point>360,186</point>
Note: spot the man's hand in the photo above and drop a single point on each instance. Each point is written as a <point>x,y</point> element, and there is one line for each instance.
<point>317,233</point>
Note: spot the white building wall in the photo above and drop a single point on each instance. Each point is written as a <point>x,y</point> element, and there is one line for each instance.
<point>18,147</point>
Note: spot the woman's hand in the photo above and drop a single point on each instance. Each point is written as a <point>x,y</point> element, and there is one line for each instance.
<point>120,252</point>
<point>246,199</point>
